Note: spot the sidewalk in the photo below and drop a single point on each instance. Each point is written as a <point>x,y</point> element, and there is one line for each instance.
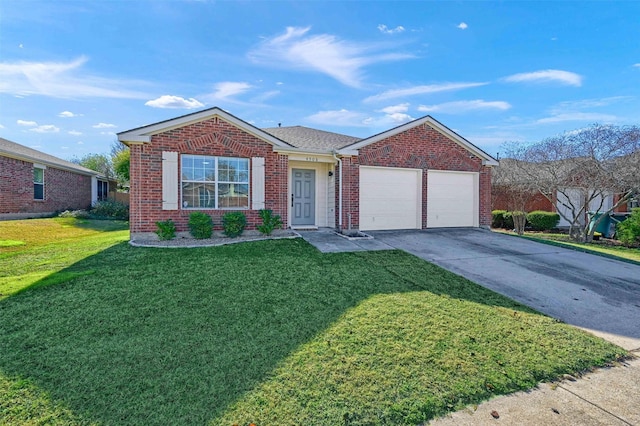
<point>608,396</point>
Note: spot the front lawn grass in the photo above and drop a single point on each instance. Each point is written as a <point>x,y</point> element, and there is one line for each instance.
<point>269,332</point>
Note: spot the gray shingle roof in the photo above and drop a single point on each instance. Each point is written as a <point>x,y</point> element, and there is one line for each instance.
<point>21,152</point>
<point>307,138</point>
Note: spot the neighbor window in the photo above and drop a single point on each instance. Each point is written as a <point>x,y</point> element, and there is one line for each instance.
<point>38,183</point>
<point>103,190</point>
<point>215,182</point>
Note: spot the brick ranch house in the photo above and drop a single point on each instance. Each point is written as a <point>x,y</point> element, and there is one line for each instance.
<point>35,184</point>
<point>415,176</point>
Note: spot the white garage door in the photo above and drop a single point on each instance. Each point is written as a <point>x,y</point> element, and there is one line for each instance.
<point>452,199</point>
<point>390,198</point>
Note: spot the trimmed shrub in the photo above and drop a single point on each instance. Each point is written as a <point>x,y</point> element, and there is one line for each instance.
<point>508,220</point>
<point>497,218</point>
<point>166,230</point>
<point>269,222</point>
<point>543,221</point>
<point>628,231</point>
<point>200,225</point>
<point>110,210</point>
<point>233,224</point>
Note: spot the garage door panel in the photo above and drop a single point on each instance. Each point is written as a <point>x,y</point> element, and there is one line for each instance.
<point>390,198</point>
<point>452,199</point>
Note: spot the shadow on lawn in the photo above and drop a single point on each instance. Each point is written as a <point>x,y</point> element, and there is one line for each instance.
<point>175,336</point>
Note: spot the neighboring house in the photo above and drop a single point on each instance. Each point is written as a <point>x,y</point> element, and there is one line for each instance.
<point>414,176</point>
<point>34,184</point>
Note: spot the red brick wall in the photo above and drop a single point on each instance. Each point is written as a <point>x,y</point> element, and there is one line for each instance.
<point>502,200</point>
<point>214,137</point>
<point>420,147</point>
<point>62,189</point>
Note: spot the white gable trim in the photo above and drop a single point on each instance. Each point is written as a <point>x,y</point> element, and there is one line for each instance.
<point>486,158</point>
<point>143,134</point>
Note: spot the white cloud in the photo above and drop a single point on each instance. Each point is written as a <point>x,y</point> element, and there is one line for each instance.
<point>227,89</point>
<point>80,143</point>
<point>324,53</point>
<point>421,90</point>
<point>637,65</point>
<point>395,108</point>
<point>45,128</point>
<point>279,83</point>
<point>74,133</point>
<point>462,26</point>
<point>169,101</point>
<point>26,123</point>
<point>1,126</point>
<point>341,117</point>
<point>68,114</point>
<point>386,30</point>
<point>104,126</point>
<point>62,80</point>
<point>108,133</point>
<point>398,117</point>
<point>567,106</point>
<point>464,106</point>
<point>265,96</point>
<point>578,116</point>
<point>546,76</point>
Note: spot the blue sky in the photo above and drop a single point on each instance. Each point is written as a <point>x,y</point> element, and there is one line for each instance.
<point>74,73</point>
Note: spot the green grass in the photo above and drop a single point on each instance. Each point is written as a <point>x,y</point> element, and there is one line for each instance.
<point>270,332</point>
<point>600,248</point>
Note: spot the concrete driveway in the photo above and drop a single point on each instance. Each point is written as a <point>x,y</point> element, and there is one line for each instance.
<point>592,292</point>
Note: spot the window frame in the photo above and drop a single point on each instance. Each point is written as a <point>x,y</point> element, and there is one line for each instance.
<point>217,182</point>
<point>41,184</point>
<point>103,190</point>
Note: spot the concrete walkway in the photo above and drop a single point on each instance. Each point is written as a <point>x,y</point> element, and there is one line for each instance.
<point>592,292</point>
<point>328,241</point>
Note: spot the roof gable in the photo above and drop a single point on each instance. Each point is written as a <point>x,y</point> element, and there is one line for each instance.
<point>439,127</point>
<point>143,134</point>
<point>24,153</point>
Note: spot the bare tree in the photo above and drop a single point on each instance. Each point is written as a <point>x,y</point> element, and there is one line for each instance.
<point>516,189</point>
<point>577,171</point>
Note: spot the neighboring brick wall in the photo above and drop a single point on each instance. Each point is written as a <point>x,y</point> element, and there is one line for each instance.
<point>214,137</point>
<point>420,147</point>
<point>62,189</point>
<point>503,200</point>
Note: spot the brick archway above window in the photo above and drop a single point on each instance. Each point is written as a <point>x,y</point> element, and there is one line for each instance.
<point>216,139</point>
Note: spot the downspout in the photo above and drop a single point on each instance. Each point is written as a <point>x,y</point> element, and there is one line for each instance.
<point>335,156</point>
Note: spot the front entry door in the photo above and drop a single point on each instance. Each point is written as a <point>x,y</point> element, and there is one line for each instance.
<point>303,199</point>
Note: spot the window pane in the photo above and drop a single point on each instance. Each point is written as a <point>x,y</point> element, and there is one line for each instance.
<point>38,175</point>
<point>233,195</point>
<point>38,191</point>
<point>198,167</point>
<point>198,195</point>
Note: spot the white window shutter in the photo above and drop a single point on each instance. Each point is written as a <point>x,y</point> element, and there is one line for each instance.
<point>257,182</point>
<point>169,180</point>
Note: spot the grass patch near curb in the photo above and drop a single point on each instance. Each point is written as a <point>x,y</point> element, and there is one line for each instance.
<point>269,332</point>
<point>622,253</point>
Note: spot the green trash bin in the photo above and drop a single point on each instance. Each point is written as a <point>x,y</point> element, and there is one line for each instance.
<point>603,226</point>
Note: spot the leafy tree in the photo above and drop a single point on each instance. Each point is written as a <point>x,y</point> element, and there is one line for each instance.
<point>578,170</point>
<point>121,161</point>
<point>101,163</point>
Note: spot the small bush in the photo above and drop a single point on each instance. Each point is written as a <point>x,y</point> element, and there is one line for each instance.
<point>200,225</point>
<point>269,221</point>
<point>233,224</point>
<point>497,218</point>
<point>110,210</point>
<point>166,230</point>
<point>508,220</point>
<point>628,231</point>
<point>78,214</point>
<point>543,221</point>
